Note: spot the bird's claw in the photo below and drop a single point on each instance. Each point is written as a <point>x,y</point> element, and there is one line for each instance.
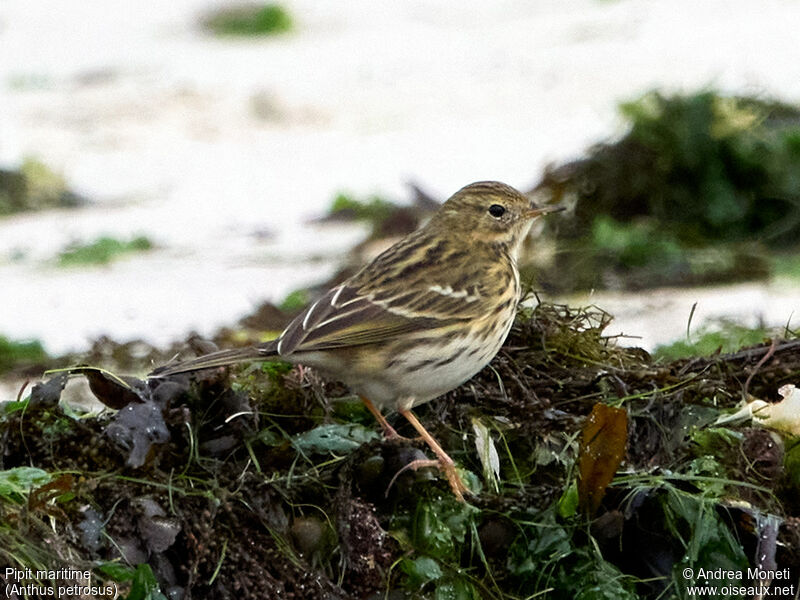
<point>446,465</point>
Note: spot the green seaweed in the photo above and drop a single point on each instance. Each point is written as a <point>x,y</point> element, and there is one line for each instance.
<point>15,353</point>
<point>250,20</point>
<point>719,336</point>
<point>101,251</point>
<point>374,209</point>
<point>34,186</point>
<point>701,188</point>
<point>295,301</point>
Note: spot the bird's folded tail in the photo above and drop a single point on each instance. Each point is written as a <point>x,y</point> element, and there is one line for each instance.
<point>222,358</point>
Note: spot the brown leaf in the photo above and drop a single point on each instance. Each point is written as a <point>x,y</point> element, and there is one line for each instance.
<point>39,497</point>
<point>115,391</point>
<point>602,449</point>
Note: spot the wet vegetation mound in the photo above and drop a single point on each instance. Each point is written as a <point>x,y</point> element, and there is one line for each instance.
<point>699,189</point>
<point>598,471</point>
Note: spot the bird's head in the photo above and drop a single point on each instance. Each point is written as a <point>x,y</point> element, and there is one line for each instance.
<point>489,212</point>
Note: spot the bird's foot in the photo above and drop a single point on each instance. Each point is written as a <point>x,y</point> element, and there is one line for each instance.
<point>444,464</point>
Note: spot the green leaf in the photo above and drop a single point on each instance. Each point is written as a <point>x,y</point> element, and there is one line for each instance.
<point>596,579</point>
<point>439,525</point>
<point>420,571</point>
<point>544,544</point>
<point>715,478</point>
<point>116,571</point>
<point>334,438</point>
<point>568,503</point>
<point>145,585</point>
<point>552,543</point>
<point>350,408</point>
<point>455,589</point>
<point>16,482</point>
<point>7,408</point>
<point>707,540</point>
<point>717,441</point>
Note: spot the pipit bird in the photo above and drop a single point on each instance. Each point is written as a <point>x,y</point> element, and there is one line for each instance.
<point>420,319</point>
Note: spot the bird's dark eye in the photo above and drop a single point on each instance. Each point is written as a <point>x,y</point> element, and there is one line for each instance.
<point>497,210</point>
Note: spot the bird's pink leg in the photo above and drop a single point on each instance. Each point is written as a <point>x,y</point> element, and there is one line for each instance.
<point>388,431</point>
<point>444,462</point>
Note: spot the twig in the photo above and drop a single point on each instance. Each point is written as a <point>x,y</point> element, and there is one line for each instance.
<point>22,389</point>
<point>770,352</point>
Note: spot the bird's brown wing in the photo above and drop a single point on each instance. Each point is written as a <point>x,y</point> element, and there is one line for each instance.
<point>347,316</point>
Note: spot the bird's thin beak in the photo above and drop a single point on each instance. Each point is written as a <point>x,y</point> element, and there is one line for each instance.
<point>543,210</point>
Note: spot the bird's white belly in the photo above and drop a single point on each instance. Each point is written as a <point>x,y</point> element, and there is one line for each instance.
<point>418,373</point>
<point>424,383</point>
<point>424,373</point>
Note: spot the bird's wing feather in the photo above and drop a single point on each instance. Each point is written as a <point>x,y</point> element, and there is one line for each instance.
<point>349,316</point>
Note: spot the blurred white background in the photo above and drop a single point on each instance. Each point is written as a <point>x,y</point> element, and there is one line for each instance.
<point>221,149</point>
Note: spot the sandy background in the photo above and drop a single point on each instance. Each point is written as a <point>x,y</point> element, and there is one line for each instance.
<point>221,150</point>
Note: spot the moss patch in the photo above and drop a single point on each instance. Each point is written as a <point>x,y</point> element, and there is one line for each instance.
<point>249,20</point>
<point>101,251</point>
<point>16,353</point>
<point>720,337</point>
<point>34,186</point>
